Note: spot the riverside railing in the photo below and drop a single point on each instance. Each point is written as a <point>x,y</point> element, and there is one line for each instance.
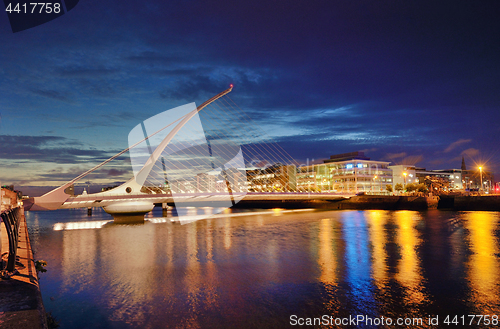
<point>11,219</point>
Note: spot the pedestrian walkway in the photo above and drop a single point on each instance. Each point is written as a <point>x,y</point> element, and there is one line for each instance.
<point>20,298</point>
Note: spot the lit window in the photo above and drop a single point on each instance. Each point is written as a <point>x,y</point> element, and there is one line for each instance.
<point>360,165</point>
<point>348,166</point>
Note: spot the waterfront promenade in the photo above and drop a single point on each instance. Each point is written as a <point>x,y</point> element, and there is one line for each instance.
<point>20,298</point>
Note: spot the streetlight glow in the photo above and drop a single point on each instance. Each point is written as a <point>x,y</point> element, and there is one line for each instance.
<point>481,175</point>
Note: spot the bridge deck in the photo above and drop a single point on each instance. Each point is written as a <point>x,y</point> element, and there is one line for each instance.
<point>84,201</point>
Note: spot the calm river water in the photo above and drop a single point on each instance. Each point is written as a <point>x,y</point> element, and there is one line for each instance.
<point>270,270</point>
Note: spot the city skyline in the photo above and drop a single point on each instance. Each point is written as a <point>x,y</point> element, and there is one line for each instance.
<point>404,82</point>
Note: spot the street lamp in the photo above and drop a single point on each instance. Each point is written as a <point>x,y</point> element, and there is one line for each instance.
<point>481,175</point>
<point>404,174</point>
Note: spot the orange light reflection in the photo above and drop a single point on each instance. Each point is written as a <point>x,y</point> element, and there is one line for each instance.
<point>483,274</point>
<point>377,220</point>
<point>327,261</point>
<point>408,269</point>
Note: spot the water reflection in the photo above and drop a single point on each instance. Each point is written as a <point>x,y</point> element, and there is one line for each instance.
<point>327,261</point>
<point>87,225</point>
<point>209,240</point>
<point>408,272</point>
<point>256,270</point>
<point>78,259</point>
<point>227,233</point>
<point>378,238</point>
<point>483,264</point>
<point>192,280</point>
<point>125,259</point>
<point>357,261</point>
<point>210,271</point>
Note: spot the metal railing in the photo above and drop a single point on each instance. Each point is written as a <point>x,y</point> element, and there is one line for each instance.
<point>11,219</point>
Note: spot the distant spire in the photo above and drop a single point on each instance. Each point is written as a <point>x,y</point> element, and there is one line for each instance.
<point>463,164</point>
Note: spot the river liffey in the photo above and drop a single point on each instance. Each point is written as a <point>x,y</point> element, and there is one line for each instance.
<point>367,269</point>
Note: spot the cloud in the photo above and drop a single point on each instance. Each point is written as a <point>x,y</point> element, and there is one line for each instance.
<point>62,174</point>
<point>150,57</point>
<point>394,156</point>
<point>437,162</point>
<point>191,89</point>
<point>403,158</point>
<point>454,145</point>
<point>54,149</point>
<point>120,116</point>
<point>471,152</point>
<point>86,72</point>
<point>10,141</point>
<point>53,94</point>
<point>199,82</point>
<point>373,149</point>
<point>116,172</point>
<point>412,159</point>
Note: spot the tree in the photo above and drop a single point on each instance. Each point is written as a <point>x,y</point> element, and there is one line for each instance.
<point>398,187</point>
<point>422,188</point>
<point>411,187</point>
<point>388,188</point>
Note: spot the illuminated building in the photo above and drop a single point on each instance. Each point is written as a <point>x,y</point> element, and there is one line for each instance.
<point>347,172</point>
<point>403,174</point>
<point>276,178</point>
<point>460,179</point>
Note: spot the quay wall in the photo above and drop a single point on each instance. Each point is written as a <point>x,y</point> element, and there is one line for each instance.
<point>21,303</point>
<point>364,202</point>
<point>389,202</point>
<point>483,202</point>
<point>357,202</point>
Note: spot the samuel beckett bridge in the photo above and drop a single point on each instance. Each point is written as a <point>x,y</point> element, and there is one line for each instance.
<point>205,156</point>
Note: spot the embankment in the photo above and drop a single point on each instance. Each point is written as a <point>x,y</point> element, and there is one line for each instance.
<point>483,202</point>
<point>363,202</point>
<point>356,202</point>
<point>20,298</point>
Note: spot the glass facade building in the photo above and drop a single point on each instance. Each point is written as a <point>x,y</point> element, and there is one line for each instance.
<point>347,172</point>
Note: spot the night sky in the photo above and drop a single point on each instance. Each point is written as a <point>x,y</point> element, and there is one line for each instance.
<point>414,82</point>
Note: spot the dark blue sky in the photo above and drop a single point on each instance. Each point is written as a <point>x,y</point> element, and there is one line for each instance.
<point>406,81</point>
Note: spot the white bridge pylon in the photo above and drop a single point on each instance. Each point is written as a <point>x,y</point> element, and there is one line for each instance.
<point>127,199</point>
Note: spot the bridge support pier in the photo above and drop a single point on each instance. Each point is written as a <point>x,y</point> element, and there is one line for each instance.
<point>128,218</point>
<point>166,209</point>
<point>129,212</point>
